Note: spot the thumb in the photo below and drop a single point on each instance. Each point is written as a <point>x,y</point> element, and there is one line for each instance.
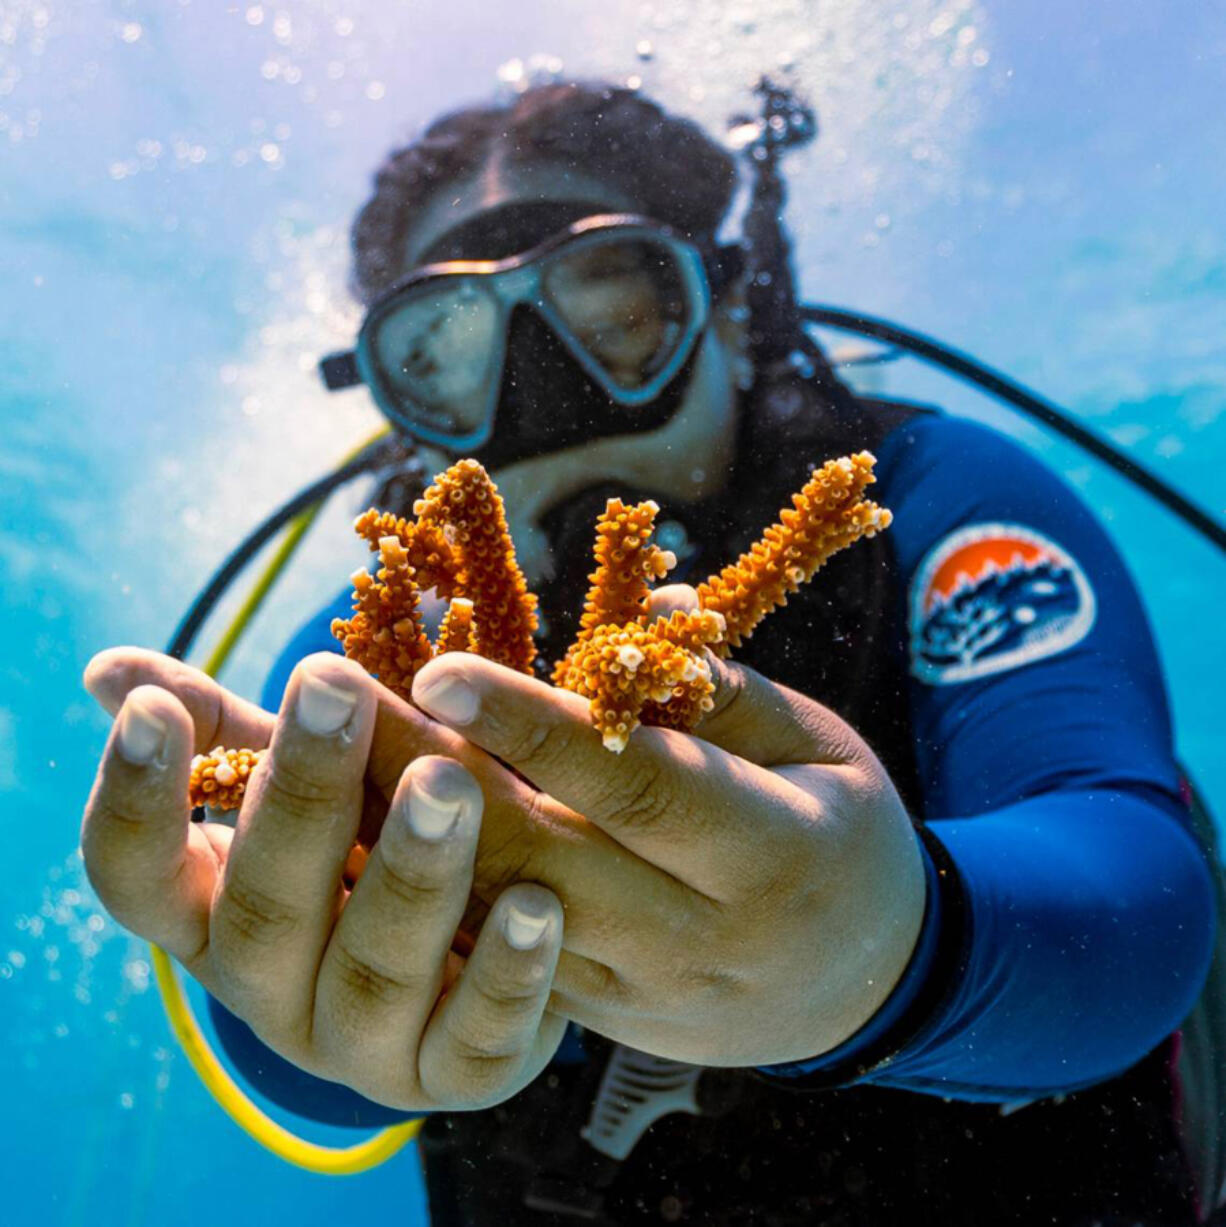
<point>671,598</point>
<point>772,725</point>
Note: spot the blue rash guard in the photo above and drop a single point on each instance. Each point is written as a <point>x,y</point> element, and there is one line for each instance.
<point>1046,774</point>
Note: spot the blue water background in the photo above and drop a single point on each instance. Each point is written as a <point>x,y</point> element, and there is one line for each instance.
<point>1040,184</point>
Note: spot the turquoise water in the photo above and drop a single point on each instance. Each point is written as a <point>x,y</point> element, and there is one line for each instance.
<point>1042,188</point>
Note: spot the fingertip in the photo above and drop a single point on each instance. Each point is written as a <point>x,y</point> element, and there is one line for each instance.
<point>103,678</point>
<point>152,727</point>
<point>672,598</point>
<point>334,669</point>
<point>530,916</point>
<point>445,782</point>
<point>329,695</point>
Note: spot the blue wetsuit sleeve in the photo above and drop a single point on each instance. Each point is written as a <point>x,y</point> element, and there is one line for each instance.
<point>1070,919</point>
<point>271,1075</point>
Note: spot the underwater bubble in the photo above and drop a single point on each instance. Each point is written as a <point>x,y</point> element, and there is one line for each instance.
<point>743,134</point>
<point>130,31</point>
<point>255,15</point>
<point>136,973</point>
<point>512,74</point>
<point>126,1099</point>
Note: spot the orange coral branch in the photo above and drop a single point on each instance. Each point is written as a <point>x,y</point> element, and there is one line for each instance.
<point>219,779</point>
<point>626,564</point>
<point>466,503</point>
<point>434,562</point>
<point>826,516</point>
<point>385,635</point>
<point>456,632</point>
<point>620,669</point>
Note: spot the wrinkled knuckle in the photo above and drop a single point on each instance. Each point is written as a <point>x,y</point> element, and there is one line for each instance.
<point>247,916</point>
<point>537,745</point>
<point>605,988</point>
<point>642,801</point>
<point>359,978</point>
<point>516,854</point>
<point>298,791</point>
<point>712,985</point>
<point>409,884</point>
<point>483,1054</point>
<point>515,998</point>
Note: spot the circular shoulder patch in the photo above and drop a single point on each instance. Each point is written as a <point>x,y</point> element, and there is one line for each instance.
<point>991,597</point>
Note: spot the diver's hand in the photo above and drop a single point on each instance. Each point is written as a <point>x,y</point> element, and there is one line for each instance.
<point>357,987</point>
<point>797,885</point>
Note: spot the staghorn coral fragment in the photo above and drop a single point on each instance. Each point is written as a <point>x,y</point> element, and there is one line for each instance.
<point>624,671</point>
<point>435,564</point>
<point>456,632</point>
<point>616,662</point>
<point>219,779</point>
<point>385,635</point>
<point>466,505</point>
<point>631,670</point>
<point>827,515</point>
<point>626,565</point>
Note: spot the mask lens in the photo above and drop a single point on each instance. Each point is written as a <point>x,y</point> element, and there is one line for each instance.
<point>624,300</point>
<point>435,349</point>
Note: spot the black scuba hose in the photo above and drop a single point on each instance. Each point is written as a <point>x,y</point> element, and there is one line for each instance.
<point>1026,402</point>
<point>185,633</point>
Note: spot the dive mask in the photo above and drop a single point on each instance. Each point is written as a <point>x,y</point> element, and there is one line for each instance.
<point>618,298</point>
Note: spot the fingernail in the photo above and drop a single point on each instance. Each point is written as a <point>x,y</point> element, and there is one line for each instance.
<point>323,708</point>
<point>431,817</point>
<point>449,698</point>
<point>523,929</point>
<point>140,734</point>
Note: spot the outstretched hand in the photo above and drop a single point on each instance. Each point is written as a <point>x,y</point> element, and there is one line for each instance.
<point>792,872</point>
<point>745,895</point>
<point>357,986</point>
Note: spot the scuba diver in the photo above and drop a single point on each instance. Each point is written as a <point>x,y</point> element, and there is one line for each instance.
<point>904,933</point>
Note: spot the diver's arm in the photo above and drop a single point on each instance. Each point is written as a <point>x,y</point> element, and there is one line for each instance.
<point>1072,927</point>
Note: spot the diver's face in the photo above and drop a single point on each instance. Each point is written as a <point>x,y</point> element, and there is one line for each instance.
<point>612,307</point>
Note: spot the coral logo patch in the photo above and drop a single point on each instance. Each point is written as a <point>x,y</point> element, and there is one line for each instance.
<point>991,597</point>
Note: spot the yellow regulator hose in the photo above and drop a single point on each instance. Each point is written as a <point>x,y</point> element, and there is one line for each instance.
<point>328,1160</point>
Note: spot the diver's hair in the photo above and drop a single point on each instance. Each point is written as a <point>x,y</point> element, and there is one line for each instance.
<point>676,172</point>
